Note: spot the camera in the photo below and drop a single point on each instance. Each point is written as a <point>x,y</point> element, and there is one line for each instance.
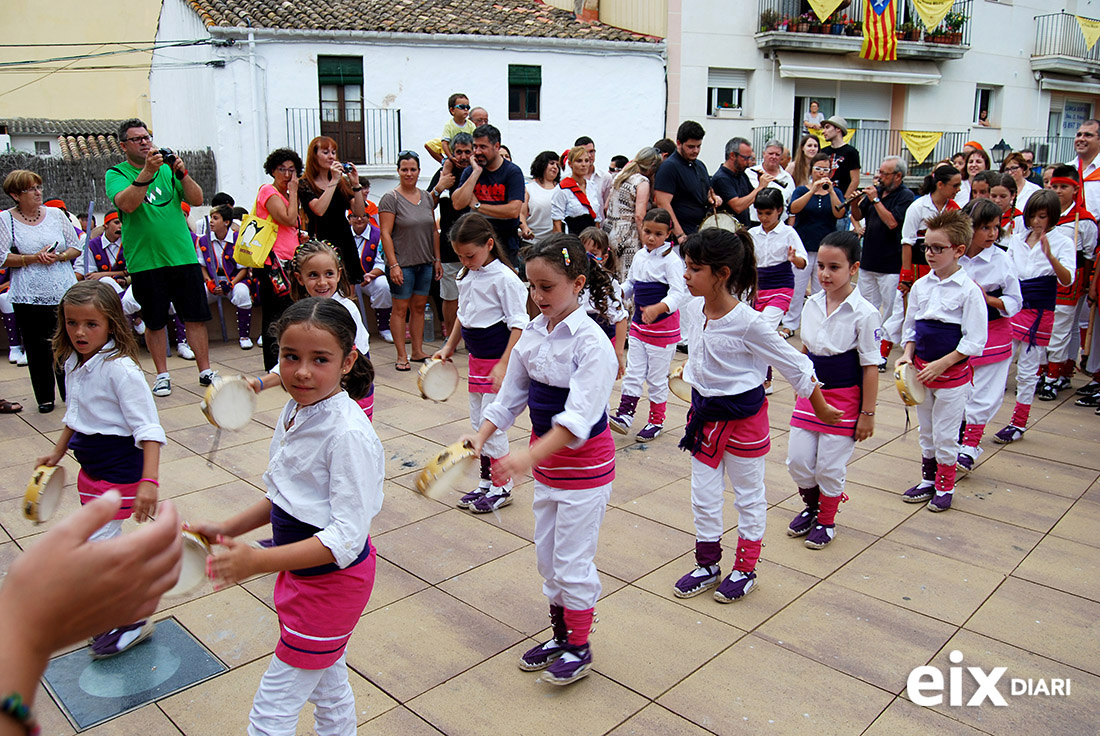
<point>347,168</point>
<point>168,155</point>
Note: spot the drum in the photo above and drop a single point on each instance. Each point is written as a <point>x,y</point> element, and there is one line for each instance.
<point>910,389</point>
<point>229,403</point>
<point>448,471</point>
<point>677,384</point>
<point>437,380</point>
<point>722,221</point>
<point>43,493</point>
<point>196,548</point>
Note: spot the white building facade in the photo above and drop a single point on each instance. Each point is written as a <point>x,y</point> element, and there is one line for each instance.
<point>246,94</point>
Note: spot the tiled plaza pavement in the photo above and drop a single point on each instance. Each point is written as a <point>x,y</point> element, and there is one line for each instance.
<point>824,646</point>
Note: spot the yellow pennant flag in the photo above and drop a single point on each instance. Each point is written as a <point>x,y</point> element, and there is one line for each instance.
<point>932,11</point>
<point>1090,29</point>
<point>920,143</point>
<point>824,8</point>
<point>821,137</point>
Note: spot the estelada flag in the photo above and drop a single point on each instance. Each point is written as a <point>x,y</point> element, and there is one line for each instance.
<point>880,40</point>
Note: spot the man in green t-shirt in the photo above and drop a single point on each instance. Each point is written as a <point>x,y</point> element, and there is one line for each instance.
<point>160,254</point>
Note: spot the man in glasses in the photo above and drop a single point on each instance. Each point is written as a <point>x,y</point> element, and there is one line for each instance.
<point>494,187</point>
<point>732,185</point>
<point>883,207</point>
<point>149,193</point>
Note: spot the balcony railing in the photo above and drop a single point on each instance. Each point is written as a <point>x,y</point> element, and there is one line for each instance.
<point>380,129</point>
<point>1051,149</point>
<point>1060,45</point>
<point>873,144</point>
<point>785,16</point>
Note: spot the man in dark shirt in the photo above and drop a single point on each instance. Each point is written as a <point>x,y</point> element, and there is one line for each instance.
<point>442,188</point>
<point>494,187</point>
<point>732,185</point>
<point>682,185</point>
<point>884,208</point>
<point>845,158</point>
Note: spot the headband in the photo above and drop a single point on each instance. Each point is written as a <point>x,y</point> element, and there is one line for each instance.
<point>1064,180</point>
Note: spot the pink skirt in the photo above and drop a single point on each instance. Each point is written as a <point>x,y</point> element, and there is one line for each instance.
<point>479,381</point>
<point>998,345</point>
<point>1025,318</point>
<point>589,466</point>
<point>662,334</point>
<point>748,437</point>
<point>318,613</point>
<point>773,298</point>
<point>367,405</point>
<point>957,375</point>
<point>846,399</point>
<point>90,490</point>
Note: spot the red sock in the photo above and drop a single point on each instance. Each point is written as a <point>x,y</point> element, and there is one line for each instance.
<point>826,512</point>
<point>972,435</point>
<point>657,412</point>
<point>1020,414</point>
<point>1053,370</point>
<point>945,479</point>
<point>885,348</point>
<point>579,624</point>
<point>1068,369</point>
<point>748,553</point>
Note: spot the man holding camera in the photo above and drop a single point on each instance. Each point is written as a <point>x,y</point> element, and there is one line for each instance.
<point>149,188</point>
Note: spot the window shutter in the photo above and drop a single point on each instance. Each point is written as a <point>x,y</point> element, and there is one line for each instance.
<point>528,76</point>
<point>727,78</point>
<point>340,70</point>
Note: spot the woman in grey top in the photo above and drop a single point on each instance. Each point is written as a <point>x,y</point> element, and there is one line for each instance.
<point>410,241</point>
<point>40,244</point>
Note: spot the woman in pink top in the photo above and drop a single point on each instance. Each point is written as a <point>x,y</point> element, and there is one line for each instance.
<point>279,201</point>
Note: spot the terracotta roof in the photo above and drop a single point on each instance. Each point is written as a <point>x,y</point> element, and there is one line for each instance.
<point>47,126</point>
<point>456,17</point>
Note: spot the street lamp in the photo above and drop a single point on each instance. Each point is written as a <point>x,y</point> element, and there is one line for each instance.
<point>1000,150</point>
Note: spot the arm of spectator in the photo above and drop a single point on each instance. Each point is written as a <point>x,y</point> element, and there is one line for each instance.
<point>641,205</point>
<point>664,200</point>
<point>463,197</point>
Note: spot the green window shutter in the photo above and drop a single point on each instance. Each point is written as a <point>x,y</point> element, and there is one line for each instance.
<point>520,74</point>
<point>340,70</point>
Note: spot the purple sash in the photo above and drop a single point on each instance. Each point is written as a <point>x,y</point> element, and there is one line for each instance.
<point>108,457</point>
<point>936,339</point>
<point>717,409</point>
<point>838,371</point>
<point>647,293</point>
<point>288,530</point>
<point>545,401</point>
<point>779,276</point>
<point>487,343</point>
<point>1039,292</point>
<point>992,313</point>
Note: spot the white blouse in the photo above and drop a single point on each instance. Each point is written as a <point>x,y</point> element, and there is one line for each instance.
<point>538,209</point>
<point>1030,261</point>
<point>491,294</point>
<point>954,300</point>
<point>564,203</point>
<point>326,470</point>
<point>659,266</point>
<point>992,269</point>
<point>37,283</point>
<point>110,397</point>
<point>771,247</point>
<point>855,323</point>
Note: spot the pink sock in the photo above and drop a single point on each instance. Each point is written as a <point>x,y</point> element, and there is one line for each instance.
<point>579,624</point>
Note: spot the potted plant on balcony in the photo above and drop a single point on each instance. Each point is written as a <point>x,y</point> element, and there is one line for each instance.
<point>907,31</point>
<point>804,23</point>
<point>952,26</point>
<point>769,20</point>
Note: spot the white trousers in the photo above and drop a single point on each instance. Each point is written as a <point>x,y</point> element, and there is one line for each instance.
<point>895,320</point>
<point>1027,368</point>
<point>284,690</point>
<point>496,446</point>
<point>987,392</point>
<point>819,459</point>
<point>880,289</point>
<point>378,291</point>
<point>110,530</point>
<point>708,487</point>
<point>648,363</point>
<point>772,317</point>
<point>567,529</point>
<point>5,303</point>
<point>239,296</point>
<point>802,278</point>
<point>940,416</point>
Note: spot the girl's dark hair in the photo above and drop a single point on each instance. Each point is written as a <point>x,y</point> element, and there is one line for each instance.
<point>566,253</point>
<point>538,166</point>
<point>599,237</point>
<point>990,177</point>
<point>306,251</point>
<point>276,158</point>
<point>331,316</point>
<point>984,212</point>
<point>95,293</point>
<point>820,157</point>
<point>943,173</point>
<point>475,228</point>
<point>769,198</point>
<point>847,241</point>
<point>659,215</point>
<point>720,249</point>
<point>1044,199</point>
<point>1006,181</point>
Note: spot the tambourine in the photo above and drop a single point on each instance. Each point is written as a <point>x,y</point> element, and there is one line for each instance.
<point>447,471</point>
<point>677,384</point>
<point>437,380</point>
<point>43,493</point>
<point>229,403</point>
<point>722,221</point>
<point>910,389</point>
<point>196,548</point>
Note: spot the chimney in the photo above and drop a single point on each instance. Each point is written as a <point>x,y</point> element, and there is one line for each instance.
<point>587,10</point>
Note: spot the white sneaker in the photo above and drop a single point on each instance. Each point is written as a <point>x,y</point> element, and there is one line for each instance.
<point>260,341</point>
<point>162,386</point>
<point>387,335</point>
<point>246,344</point>
<point>139,327</point>
<point>15,354</point>
<point>184,351</point>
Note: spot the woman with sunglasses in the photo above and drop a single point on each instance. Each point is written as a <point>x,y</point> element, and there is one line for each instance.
<point>327,191</point>
<point>279,201</point>
<point>411,243</point>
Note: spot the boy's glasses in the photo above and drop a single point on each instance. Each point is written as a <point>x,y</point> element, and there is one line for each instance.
<point>462,107</point>
<point>933,249</point>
